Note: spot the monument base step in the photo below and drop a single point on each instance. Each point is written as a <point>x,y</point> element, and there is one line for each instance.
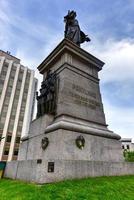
<point>46,171</point>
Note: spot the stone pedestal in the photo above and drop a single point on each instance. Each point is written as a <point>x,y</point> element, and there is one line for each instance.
<point>78,92</point>
<point>79,114</point>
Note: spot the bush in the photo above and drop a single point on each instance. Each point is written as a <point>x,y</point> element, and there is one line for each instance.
<point>129,155</point>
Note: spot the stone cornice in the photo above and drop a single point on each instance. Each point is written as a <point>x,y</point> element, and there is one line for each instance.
<point>67,46</point>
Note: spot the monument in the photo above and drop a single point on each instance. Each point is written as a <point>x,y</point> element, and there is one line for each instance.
<point>69,138</point>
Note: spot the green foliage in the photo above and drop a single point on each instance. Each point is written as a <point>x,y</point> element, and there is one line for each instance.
<point>129,156</point>
<point>101,188</point>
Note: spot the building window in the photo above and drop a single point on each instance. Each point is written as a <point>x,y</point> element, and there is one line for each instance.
<point>11,82</point>
<point>1,87</point>
<point>8,94</point>
<point>2,119</point>
<point>21,118</point>
<point>19,128</point>
<point>20,123</point>
<point>15,152</point>
<point>14,68</point>
<point>2,77</point>
<point>4,73</point>
<point>26,90</point>
<point>11,122</point>
<point>127,146</point>
<point>17,140</point>
<point>5,68</point>
<point>4,114</point>
<point>10,128</point>
<point>21,69</point>
<point>9,137</point>
<point>12,77</point>
<point>5,108</point>
<point>1,125</point>
<point>12,117</point>
<point>1,82</point>
<point>6,152</point>
<point>12,73</point>
<point>23,109</point>
<point>122,146</point>
<point>6,101</point>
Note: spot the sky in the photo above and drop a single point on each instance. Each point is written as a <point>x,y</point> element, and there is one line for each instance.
<point>31,29</point>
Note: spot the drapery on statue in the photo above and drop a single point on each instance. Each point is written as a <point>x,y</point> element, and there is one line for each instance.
<point>72,29</point>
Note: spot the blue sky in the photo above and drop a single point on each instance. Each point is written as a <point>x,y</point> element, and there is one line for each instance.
<point>31,29</point>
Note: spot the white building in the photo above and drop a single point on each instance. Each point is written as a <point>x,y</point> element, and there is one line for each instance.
<point>17,96</point>
<point>127,144</point>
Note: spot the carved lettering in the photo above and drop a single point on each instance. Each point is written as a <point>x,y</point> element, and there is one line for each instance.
<point>81,96</point>
<point>81,100</point>
<point>83,90</point>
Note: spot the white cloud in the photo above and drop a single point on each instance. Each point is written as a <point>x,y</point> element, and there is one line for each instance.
<point>121,121</point>
<point>119,67</point>
<point>119,59</point>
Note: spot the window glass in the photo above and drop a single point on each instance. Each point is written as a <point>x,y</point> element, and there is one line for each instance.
<point>18,139</point>
<point>1,125</point>
<point>16,152</point>
<point>6,152</point>
<point>9,137</point>
<point>127,146</point>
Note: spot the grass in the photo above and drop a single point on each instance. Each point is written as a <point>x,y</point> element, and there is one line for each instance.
<point>101,188</point>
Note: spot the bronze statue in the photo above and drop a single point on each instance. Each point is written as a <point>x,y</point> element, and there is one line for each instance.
<point>72,29</point>
<point>46,101</point>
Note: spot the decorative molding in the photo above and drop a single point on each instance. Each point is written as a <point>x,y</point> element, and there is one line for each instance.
<point>82,129</point>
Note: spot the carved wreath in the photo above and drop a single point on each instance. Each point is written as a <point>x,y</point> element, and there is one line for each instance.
<point>80,142</point>
<point>44,143</point>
